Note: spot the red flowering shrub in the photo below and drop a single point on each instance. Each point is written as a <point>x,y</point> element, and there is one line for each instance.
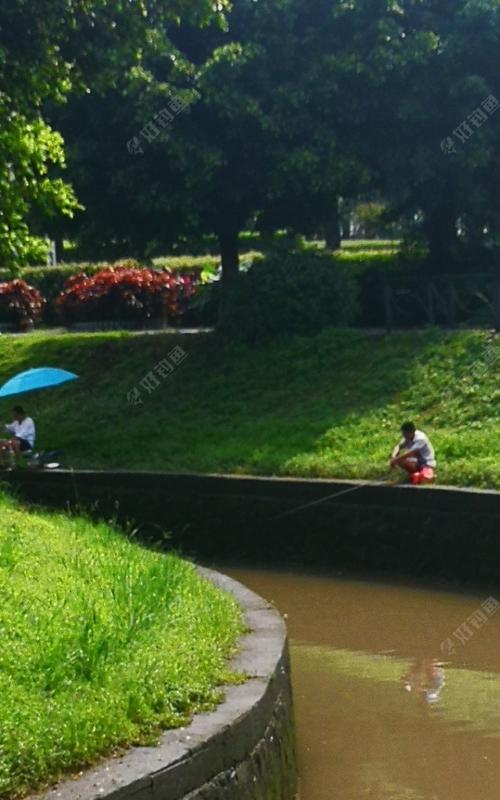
<point>116,293</point>
<point>20,303</point>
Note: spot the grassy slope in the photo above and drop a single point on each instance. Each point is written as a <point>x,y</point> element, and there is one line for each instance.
<point>103,643</point>
<point>325,406</point>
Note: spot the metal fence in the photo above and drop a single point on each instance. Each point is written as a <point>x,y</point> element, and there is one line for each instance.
<point>447,300</point>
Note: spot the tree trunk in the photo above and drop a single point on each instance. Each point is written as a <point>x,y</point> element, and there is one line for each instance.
<point>230,262</point>
<point>345,212</point>
<point>332,232</point>
<point>346,226</point>
<point>332,228</point>
<point>441,232</point>
<point>59,242</point>
<point>474,234</point>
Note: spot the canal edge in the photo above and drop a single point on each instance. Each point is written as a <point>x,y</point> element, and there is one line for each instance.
<point>244,749</point>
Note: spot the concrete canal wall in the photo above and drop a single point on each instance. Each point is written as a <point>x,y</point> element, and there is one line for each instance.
<point>424,531</point>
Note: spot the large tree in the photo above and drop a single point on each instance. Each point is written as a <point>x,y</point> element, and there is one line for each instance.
<point>436,136</point>
<point>300,101</point>
<point>47,50</point>
<point>263,143</point>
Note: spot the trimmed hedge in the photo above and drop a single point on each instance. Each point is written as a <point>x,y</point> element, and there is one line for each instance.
<point>50,280</point>
<point>368,265</point>
<point>298,292</point>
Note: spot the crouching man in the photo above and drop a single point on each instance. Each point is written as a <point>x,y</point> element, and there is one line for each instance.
<point>22,431</point>
<point>415,454</point>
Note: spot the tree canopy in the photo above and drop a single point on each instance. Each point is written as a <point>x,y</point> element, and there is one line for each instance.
<point>47,51</point>
<point>180,121</point>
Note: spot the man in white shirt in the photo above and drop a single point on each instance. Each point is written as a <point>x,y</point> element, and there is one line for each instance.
<point>22,431</point>
<point>415,454</point>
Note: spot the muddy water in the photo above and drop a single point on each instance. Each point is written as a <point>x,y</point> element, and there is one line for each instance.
<point>397,689</point>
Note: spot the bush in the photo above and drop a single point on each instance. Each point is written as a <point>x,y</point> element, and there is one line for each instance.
<point>122,293</point>
<point>20,303</point>
<point>51,280</point>
<point>291,293</point>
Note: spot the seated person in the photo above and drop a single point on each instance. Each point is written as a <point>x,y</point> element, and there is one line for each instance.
<point>22,430</point>
<point>415,454</point>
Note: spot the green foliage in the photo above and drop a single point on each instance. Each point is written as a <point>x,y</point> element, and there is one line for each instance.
<point>292,115</point>
<point>104,643</point>
<point>295,114</point>
<point>300,292</point>
<point>372,219</point>
<point>48,51</point>
<point>29,152</point>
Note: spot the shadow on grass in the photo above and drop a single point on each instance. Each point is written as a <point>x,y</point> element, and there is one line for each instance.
<point>306,406</point>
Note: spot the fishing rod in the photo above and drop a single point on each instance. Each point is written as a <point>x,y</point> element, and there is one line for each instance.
<point>383,479</point>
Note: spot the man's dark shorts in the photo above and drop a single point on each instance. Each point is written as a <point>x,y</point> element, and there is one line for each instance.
<point>24,445</point>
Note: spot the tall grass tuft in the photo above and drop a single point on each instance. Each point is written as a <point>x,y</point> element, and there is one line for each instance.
<point>104,643</point>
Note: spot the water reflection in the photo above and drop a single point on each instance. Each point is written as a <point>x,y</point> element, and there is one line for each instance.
<point>425,677</point>
<point>380,715</point>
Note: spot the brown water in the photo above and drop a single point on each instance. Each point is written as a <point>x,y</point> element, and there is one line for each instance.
<point>374,720</point>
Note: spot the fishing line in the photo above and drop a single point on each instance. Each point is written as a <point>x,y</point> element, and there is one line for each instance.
<point>384,479</point>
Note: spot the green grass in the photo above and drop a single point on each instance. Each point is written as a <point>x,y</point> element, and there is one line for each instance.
<point>327,406</point>
<point>186,263</point>
<point>104,643</point>
<point>378,258</point>
<point>371,244</point>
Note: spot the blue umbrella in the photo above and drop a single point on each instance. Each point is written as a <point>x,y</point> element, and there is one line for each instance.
<point>39,378</point>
